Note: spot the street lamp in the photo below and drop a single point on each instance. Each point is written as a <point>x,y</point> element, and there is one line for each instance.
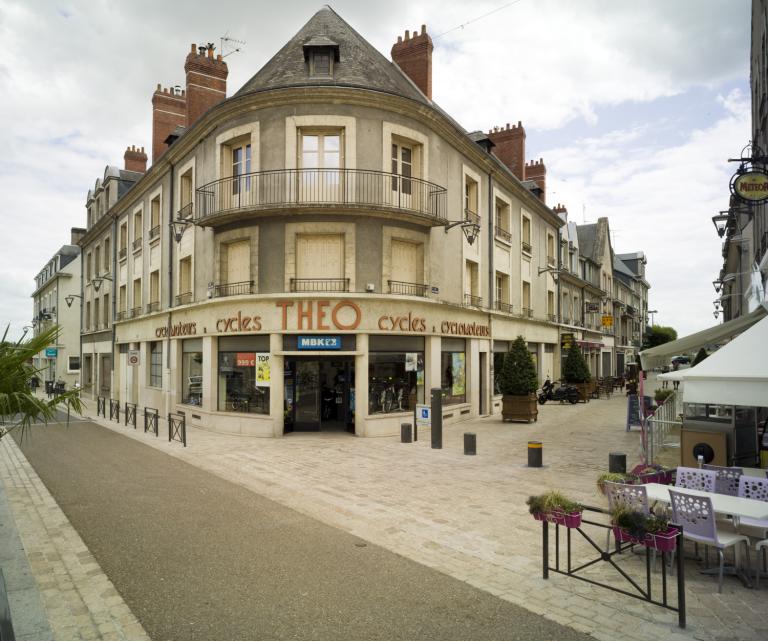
<point>554,271</point>
<point>178,227</point>
<point>470,228</point>
<point>720,222</point>
<point>651,312</point>
<point>71,297</point>
<point>96,282</point>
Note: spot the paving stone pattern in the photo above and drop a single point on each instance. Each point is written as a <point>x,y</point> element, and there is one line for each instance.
<point>466,515</point>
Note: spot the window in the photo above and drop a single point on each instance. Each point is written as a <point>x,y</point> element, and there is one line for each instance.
<point>551,250</point>
<point>87,375</point>
<point>123,240</point>
<point>156,364</point>
<point>320,257</point>
<point>237,268</point>
<point>407,264</point>
<point>321,150</point>
<point>88,266</point>
<point>241,169</point>
<point>471,285</point>
<point>244,374</point>
<point>321,62</point>
<point>137,295</point>
<point>551,305</point>
<point>154,218</point>
<point>500,349</point>
<point>185,276</point>
<point>107,257</point>
<point>137,230</point>
<point>470,198</point>
<point>185,193</point>
<point>97,260</point>
<point>402,164</point>
<point>454,371</point>
<point>106,310</point>
<point>526,234</point>
<point>502,221</point>
<point>96,313</point>
<point>88,315</point>
<point>73,364</point>
<point>123,299</point>
<point>502,292</point>
<point>395,373</point>
<point>527,310</point>
<point>192,371</point>
<point>154,290</point>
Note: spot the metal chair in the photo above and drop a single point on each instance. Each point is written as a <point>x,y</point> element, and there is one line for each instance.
<point>692,478</point>
<point>761,546</point>
<point>634,497</point>
<point>695,515</point>
<point>727,481</point>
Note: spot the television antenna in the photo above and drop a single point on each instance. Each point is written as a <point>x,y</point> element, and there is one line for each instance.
<point>230,45</point>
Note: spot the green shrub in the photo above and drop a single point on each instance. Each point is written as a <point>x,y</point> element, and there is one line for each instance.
<point>661,395</point>
<point>575,368</point>
<point>518,374</point>
<point>552,501</point>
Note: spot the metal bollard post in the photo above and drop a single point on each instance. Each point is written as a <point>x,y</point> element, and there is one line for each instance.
<point>405,433</point>
<point>535,453</point>
<point>617,463</point>
<point>470,443</point>
<point>437,418</point>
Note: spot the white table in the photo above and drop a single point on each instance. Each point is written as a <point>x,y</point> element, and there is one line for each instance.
<point>721,503</point>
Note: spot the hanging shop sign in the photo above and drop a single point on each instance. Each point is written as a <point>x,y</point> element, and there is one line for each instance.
<point>750,186</point>
<point>51,352</point>
<point>566,341</point>
<point>134,357</point>
<point>592,308</point>
<point>321,343</point>
<point>607,320</point>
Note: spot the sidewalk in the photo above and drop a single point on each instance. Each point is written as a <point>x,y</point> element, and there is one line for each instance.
<point>466,516</point>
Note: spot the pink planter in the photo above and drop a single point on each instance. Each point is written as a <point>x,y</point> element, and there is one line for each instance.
<point>560,518</point>
<point>661,541</point>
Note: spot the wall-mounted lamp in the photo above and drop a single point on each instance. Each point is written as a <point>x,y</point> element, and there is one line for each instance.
<point>178,226</point>
<point>470,228</point>
<point>98,280</point>
<point>720,222</point>
<point>553,270</point>
<point>71,298</point>
<point>718,285</point>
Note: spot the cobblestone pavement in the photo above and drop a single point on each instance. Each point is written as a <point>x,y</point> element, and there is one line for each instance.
<point>466,516</point>
<point>78,599</point>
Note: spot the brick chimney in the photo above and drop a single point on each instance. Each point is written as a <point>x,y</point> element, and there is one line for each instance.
<point>169,110</point>
<point>414,57</point>
<point>206,81</point>
<point>536,171</point>
<point>561,209</point>
<point>135,159</point>
<point>510,147</point>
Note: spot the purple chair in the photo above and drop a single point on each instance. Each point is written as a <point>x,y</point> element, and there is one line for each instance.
<point>695,515</point>
<point>692,478</point>
<point>727,480</point>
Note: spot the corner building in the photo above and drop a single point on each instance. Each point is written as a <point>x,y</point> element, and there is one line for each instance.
<point>297,256</point>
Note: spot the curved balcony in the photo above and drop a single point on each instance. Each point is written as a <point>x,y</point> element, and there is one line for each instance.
<point>348,190</point>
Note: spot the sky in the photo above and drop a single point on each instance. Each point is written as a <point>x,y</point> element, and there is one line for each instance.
<point>635,108</point>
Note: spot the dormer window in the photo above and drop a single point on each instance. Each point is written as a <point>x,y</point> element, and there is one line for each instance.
<point>321,53</point>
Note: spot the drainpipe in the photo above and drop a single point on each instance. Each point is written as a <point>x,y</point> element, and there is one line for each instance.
<point>168,399</point>
<point>113,249</point>
<point>491,245</point>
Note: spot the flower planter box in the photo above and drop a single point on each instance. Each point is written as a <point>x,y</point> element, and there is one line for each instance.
<point>571,520</point>
<point>519,408</point>
<point>661,541</point>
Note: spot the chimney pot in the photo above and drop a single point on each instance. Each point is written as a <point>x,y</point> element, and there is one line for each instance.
<point>415,61</point>
<point>423,30</point>
<point>193,48</point>
<point>407,34</point>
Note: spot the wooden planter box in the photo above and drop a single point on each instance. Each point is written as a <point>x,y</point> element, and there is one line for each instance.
<point>585,390</point>
<point>520,408</point>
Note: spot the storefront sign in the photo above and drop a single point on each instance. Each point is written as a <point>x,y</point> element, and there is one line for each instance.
<point>245,359</point>
<point>344,315</point>
<point>751,186</point>
<point>592,308</point>
<point>179,329</point>
<point>607,320</point>
<point>409,323</point>
<point>51,352</point>
<point>319,342</point>
<point>464,329</point>
<point>239,323</point>
<point>134,357</point>
<point>263,370</point>
<point>566,341</point>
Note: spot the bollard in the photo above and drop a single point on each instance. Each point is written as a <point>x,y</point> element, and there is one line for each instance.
<point>437,419</point>
<point>405,433</point>
<point>534,453</point>
<point>617,463</point>
<point>470,443</point>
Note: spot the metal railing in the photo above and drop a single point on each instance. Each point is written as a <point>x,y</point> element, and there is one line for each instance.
<point>130,414</point>
<point>133,313</point>
<point>408,289</point>
<point>574,569</point>
<point>283,188</point>
<point>473,301</point>
<point>667,418</point>
<point>526,246</point>
<point>566,320</point>
<point>527,312</point>
<point>122,253</point>
<point>552,318</point>
<point>503,234</point>
<point>472,217</point>
<point>153,307</point>
<point>101,406</point>
<point>121,314</point>
<point>184,299</point>
<point>233,289</point>
<point>154,232</point>
<point>186,212</point>
<point>150,420</point>
<point>501,306</point>
<point>177,428</point>
<point>319,284</point>
<point>114,409</point>
<point>136,244</point>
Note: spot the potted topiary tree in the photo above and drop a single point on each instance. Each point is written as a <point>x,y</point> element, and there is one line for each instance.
<point>576,372</point>
<point>518,382</point>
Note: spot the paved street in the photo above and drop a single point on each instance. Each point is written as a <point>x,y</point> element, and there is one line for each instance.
<point>463,516</point>
<point>198,557</point>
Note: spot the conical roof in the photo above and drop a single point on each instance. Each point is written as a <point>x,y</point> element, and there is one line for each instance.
<point>359,63</point>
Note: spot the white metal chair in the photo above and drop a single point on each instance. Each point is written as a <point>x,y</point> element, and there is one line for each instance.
<point>727,479</point>
<point>695,515</point>
<point>762,546</point>
<point>692,478</point>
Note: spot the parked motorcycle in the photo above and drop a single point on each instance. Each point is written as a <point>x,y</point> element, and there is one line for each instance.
<point>562,393</point>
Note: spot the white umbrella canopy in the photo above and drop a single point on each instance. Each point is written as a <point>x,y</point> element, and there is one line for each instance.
<point>736,374</point>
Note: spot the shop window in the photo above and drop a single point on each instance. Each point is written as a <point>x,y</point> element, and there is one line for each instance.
<point>74,364</point>
<point>156,364</point>
<point>244,374</point>
<point>453,369</point>
<point>500,348</point>
<point>192,371</point>
<point>395,374</point>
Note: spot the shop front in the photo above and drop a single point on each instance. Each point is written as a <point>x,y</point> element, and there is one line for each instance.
<point>273,366</point>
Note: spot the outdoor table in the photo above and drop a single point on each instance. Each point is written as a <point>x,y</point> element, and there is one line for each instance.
<point>735,506</point>
<point>754,471</point>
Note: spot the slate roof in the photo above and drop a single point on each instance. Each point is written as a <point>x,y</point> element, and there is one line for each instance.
<point>621,269</point>
<point>587,240</point>
<point>359,65</point>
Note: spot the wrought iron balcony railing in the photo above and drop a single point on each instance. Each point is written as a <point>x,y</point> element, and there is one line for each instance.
<point>409,289</point>
<point>526,246</point>
<point>121,314</point>
<point>471,217</point>
<point>319,284</point>
<point>137,244</point>
<point>527,312</point>
<point>552,318</point>
<point>184,298</point>
<point>154,232</point>
<point>473,301</point>
<point>352,188</point>
<point>153,307</point>
<point>501,306</point>
<point>185,213</point>
<point>135,312</point>
<point>503,234</point>
<point>233,289</point>
<point>122,253</point>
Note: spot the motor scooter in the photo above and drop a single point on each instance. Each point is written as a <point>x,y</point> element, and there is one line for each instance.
<point>562,393</point>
